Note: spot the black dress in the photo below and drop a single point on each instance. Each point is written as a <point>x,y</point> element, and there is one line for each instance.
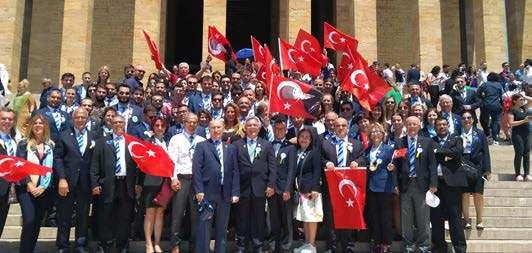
<point>152,184</point>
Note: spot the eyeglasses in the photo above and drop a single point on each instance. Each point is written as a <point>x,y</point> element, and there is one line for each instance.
<point>466,117</point>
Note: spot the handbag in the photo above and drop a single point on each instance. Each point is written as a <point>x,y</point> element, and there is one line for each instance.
<point>472,173</point>
<point>165,193</point>
<point>309,210</point>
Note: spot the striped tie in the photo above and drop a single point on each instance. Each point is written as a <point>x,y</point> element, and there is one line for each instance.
<point>81,140</point>
<point>118,154</point>
<point>340,152</point>
<point>412,158</point>
<point>218,145</point>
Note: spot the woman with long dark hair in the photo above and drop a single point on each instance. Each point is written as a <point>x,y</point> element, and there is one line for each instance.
<point>34,192</point>
<point>518,120</point>
<point>304,167</point>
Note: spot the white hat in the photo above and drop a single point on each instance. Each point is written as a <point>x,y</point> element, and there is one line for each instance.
<point>431,199</point>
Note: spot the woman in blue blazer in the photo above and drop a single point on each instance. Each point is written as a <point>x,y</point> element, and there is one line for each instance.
<point>381,184</point>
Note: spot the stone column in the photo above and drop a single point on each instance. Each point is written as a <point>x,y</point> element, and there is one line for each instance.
<point>294,15</point>
<point>214,13</point>
<point>359,18</point>
<point>153,24</point>
<point>430,39</point>
<point>76,37</point>
<point>11,21</point>
<point>451,40</point>
<point>519,27</point>
<point>45,42</point>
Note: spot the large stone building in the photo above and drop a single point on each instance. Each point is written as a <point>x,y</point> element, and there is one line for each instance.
<point>44,38</point>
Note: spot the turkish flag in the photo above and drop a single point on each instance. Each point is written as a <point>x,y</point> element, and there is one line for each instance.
<point>294,98</point>
<point>368,87</point>
<point>399,153</point>
<point>151,158</point>
<point>154,51</point>
<point>294,59</point>
<point>347,190</point>
<point>269,68</point>
<point>307,43</point>
<point>335,39</point>
<point>345,67</point>
<point>258,50</point>
<point>218,45</point>
<point>13,169</point>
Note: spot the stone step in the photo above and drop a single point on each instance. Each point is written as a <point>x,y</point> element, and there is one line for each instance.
<point>502,246</point>
<point>503,222</point>
<point>515,212</point>
<point>13,232</point>
<point>498,234</point>
<point>527,192</point>
<point>14,220</point>
<point>505,201</point>
<point>506,184</point>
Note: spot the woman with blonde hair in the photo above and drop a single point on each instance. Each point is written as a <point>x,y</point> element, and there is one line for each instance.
<point>233,128</point>
<point>23,104</point>
<point>34,192</point>
<point>104,75</point>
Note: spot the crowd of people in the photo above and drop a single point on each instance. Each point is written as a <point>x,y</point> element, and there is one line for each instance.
<point>241,171</point>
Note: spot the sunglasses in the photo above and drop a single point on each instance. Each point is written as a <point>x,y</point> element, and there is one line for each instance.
<point>466,117</point>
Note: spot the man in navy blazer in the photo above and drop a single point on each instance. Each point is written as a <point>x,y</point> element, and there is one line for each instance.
<point>257,167</point>
<point>72,159</point>
<point>455,121</point>
<point>215,178</point>
<point>464,99</point>
<point>57,119</point>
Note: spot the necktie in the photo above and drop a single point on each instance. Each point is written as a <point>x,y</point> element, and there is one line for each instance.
<point>412,158</point>
<point>251,150</point>
<point>218,145</point>
<point>121,109</point>
<point>81,140</point>
<point>118,154</point>
<point>276,146</point>
<point>206,102</point>
<point>340,153</point>
<point>9,147</point>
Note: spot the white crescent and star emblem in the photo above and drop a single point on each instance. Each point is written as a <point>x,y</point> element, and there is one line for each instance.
<point>290,90</point>
<point>215,47</point>
<point>3,174</point>
<point>310,49</point>
<point>261,51</point>
<point>290,54</point>
<point>5,160</point>
<point>353,78</point>
<point>331,37</point>
<point>150,153</point>
<point>344,182</point>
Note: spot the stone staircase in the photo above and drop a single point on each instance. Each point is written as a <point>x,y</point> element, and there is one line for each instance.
<point>507,217</point>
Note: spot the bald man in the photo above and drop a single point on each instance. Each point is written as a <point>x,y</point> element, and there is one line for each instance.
<point>417,175</point>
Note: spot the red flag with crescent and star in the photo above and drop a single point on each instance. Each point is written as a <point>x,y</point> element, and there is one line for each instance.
<point>294,98</point>
<point>258,50</point>
<point>347,190</point>
<point>368,87</point>
<point>337,40</point>
<point>13,169</point>
<point>294,59</point>
<point>310,45</point>
<point>218,45</point>
<point>151,158</point>
<point>154,51</point>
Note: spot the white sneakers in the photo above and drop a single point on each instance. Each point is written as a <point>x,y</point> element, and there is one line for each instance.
<point>519,178</point>
<point>305,248</point>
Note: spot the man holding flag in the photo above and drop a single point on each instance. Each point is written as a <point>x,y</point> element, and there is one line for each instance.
<point>339,151</point>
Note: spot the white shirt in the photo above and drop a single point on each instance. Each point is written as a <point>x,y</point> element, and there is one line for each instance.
<point>12,143</point>
<point>467,140</point>
<point>122,144</point>
<point>344,146</point>
<point>181,151</point>
<point>439,168</point>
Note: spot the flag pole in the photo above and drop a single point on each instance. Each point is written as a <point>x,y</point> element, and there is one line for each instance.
<point>280,56</point>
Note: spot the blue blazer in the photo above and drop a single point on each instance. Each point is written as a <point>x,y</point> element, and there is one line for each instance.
<point>138,129</point>
<point>382,180</point>
<point>195,102</point>
<point>54,132</point>
<point>480,154</point>
<point>206,176</point>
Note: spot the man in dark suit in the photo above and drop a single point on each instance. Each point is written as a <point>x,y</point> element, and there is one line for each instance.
<point>280,206</point>
<point>57,119</point>
<point>464,99</point>
<point>299,123</point>
<point>451,182</point>
<point>141,127</point>
<point>72,157</point>
<point>417,174</point>
<point>416,95</point>
<point>201,100</point>
<point>115,178</point>
<point>329,120</point>
<point>339,151</point>
<point>215,178</point>
<point>124,107</point>
<point>256,163</point>
<point>455,121</point>
<point>8,146</point>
